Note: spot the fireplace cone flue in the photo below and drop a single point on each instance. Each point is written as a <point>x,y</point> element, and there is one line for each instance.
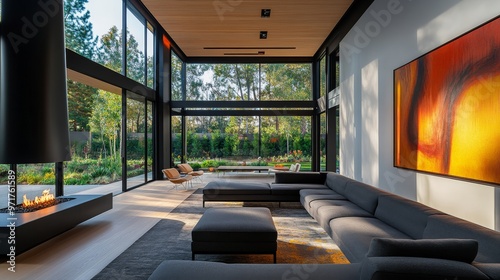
<point>33,100</point>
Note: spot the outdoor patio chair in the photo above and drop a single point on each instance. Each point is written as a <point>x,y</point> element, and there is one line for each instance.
<point>297,167</point>
<point>187,169</point>
<point>175,177</point>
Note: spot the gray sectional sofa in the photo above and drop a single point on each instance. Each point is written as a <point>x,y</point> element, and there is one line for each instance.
<point>282,190</point>
<point>383,235</point>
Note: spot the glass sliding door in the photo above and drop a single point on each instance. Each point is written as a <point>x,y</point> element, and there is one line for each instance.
<point>94,109</point>
<point>136,140</point>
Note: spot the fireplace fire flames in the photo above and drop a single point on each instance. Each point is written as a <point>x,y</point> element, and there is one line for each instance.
<point>46,198</point>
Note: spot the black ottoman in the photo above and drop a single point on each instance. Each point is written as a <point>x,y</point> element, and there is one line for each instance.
<point>235,230</point>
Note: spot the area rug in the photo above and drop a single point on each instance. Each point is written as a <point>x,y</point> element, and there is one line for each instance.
<point>300,240</point>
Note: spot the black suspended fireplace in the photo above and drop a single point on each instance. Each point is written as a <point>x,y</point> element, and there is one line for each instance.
<point>23,231</point>
<point>34,124</point>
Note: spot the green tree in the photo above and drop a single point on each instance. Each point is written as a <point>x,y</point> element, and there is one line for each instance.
<point>78,28</point>
<point>110,51</point>
<point>79,38</point>
<point>217,145</point>
<point>235,82</point>
<point>80,100</point>
<point>195,87</point>
<point>135,60</point>
<point>176,77</point>
<point>106,120</point>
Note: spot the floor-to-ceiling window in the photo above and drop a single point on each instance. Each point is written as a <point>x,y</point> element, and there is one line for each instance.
<point>140,48</point>
<point>95,135</point>
<point>177,124</point>
<point>93,30</point>
<point>138,146</point>
<point>275,127</point>
<point>333,139</point>
<point>176,139</point>
<point>111,122</point>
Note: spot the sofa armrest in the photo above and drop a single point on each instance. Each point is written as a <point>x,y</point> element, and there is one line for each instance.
<point>300,177</point>
<point>413,268</point>
<point>490,269</point>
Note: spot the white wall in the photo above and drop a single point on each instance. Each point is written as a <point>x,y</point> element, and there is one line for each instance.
<point>390,34</point>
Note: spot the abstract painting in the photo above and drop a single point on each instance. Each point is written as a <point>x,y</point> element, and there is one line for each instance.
<point>447,108</point>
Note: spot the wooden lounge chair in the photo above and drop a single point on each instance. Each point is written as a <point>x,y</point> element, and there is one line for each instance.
<point>187,169</point>
<point>175,177</point>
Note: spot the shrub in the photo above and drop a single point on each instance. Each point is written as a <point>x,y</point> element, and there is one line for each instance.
<point>4,170</point>
<point>30,178</point>
<point>99,171</point>
<point>49,178</point>
<point>210,163</point>
<point>258,163</point>
<point>195,165</point>
<point>46,169</point>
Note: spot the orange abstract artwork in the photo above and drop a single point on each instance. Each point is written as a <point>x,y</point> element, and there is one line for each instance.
<point>447,108</point>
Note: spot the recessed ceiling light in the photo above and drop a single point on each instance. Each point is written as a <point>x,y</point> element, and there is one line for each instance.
<point>263,34</point>
<point>265,13</point>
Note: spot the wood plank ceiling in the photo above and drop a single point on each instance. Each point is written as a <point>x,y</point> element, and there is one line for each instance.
<point>221,28</point>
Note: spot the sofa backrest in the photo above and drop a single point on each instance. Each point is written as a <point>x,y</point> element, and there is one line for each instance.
<point>363,195</point>
<point>447,226</point>
<point>300,177</point>
<point>406,215</point>
<point>337,182</point>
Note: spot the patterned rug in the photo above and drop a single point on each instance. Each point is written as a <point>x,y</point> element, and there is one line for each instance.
<point>300,240</point>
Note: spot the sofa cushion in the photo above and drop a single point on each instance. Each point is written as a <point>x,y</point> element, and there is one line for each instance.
<point>316,204</point>
<point>224,187</point>
<point>354,235</point>
<point>309,195</point>
<point>363,195</point>
<point>446,226</point>
<point>293,189</point>
<point>462,250</point>
<point>337,182</point>
<point>411,268</point>
<point>406,215</point>
<point>306,201</point>
<point>343,209</point>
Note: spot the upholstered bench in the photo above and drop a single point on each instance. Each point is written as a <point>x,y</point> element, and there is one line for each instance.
<point>235,230</point>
